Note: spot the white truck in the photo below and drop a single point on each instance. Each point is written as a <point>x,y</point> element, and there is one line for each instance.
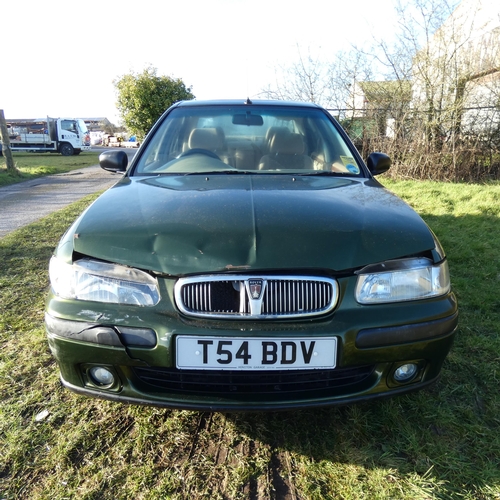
<point>61,135</point>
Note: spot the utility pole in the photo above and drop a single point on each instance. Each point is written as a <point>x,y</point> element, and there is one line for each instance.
<point>4,137</point>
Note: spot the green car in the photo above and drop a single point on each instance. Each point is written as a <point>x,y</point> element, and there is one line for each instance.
<point>248,260</point>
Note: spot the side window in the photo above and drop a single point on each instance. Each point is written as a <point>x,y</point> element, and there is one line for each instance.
<point>69,125</point>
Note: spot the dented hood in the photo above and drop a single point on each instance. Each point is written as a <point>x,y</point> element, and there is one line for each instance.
<point>211,223</point>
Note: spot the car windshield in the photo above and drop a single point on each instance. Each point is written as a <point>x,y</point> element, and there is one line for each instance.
<point>252,138</point>
<point>82,126</point>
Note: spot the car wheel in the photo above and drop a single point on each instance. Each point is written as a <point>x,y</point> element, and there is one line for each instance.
<point>66,149</point>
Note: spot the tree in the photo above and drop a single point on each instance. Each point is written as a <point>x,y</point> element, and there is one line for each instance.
<point>143,97</point>
<point>428,96</point>
<point>451,54</point>
<point>305,80</point>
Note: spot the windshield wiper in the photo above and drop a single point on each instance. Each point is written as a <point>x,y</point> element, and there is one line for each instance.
<point>325,173</point>
<point>229,171</point>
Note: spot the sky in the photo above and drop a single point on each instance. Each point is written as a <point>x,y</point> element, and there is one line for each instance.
<point>60,58</point>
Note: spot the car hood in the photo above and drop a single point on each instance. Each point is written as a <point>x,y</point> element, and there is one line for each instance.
<point>179,225</point>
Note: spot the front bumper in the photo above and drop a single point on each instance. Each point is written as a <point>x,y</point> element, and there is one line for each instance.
<point>145,373</point>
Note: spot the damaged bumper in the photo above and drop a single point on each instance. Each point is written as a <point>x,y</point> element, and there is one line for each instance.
<point>141,364</point>
<point>117,336</point>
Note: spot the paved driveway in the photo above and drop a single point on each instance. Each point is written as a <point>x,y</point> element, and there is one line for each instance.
<point>26,202</point>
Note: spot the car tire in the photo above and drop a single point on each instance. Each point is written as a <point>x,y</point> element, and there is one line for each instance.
<point>66,149</point>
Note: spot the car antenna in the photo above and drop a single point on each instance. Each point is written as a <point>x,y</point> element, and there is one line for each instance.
<point>248,101</point>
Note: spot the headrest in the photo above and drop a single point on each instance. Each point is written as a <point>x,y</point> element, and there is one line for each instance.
<point>287,144</point>
<point>272,131</point>
<point>206,138</point>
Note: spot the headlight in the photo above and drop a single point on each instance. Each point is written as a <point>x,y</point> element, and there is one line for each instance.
<point>88,279</point>
<point>402,280</point>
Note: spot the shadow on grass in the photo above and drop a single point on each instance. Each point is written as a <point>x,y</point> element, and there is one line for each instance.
<point>449,432</point>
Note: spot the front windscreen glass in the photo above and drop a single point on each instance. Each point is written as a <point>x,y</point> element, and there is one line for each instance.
<point>256,139</point>
<point>83,127</point>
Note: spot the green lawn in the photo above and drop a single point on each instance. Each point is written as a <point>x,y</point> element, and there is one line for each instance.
<point>32,165</point>
<point>440,443</point>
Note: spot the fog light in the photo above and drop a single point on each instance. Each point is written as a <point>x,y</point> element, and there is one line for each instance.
<point>101,375</point>
<point>405,372</point>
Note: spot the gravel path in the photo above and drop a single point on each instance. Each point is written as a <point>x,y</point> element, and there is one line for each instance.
<point>26,202</point>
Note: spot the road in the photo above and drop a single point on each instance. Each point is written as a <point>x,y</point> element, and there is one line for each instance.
<point>25,202</point>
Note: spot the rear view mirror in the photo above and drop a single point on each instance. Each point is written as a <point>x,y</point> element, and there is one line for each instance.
<point>248,119</point>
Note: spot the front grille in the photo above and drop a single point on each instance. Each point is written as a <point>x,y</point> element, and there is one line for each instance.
<point>202,382</point>
<point>295,297</point>
<point>250,297</point>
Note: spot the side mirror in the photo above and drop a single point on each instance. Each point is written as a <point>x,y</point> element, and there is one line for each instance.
<point>378,163</point>
<point>113,161</point>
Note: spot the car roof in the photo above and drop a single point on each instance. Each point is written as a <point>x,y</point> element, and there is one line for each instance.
<point>247,102</point>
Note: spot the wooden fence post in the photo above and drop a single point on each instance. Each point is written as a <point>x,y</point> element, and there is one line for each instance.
<point>4,137</point>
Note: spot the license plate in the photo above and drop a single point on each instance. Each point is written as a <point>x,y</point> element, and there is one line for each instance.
<point>222,353</point>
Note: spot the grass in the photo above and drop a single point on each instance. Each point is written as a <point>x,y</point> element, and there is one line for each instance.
<point>32,165</point>
<point>440,443</point>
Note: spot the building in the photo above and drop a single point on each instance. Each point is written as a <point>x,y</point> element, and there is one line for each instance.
<point>379,108</point>
<point>97,124</point>
<point>454,87</point>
